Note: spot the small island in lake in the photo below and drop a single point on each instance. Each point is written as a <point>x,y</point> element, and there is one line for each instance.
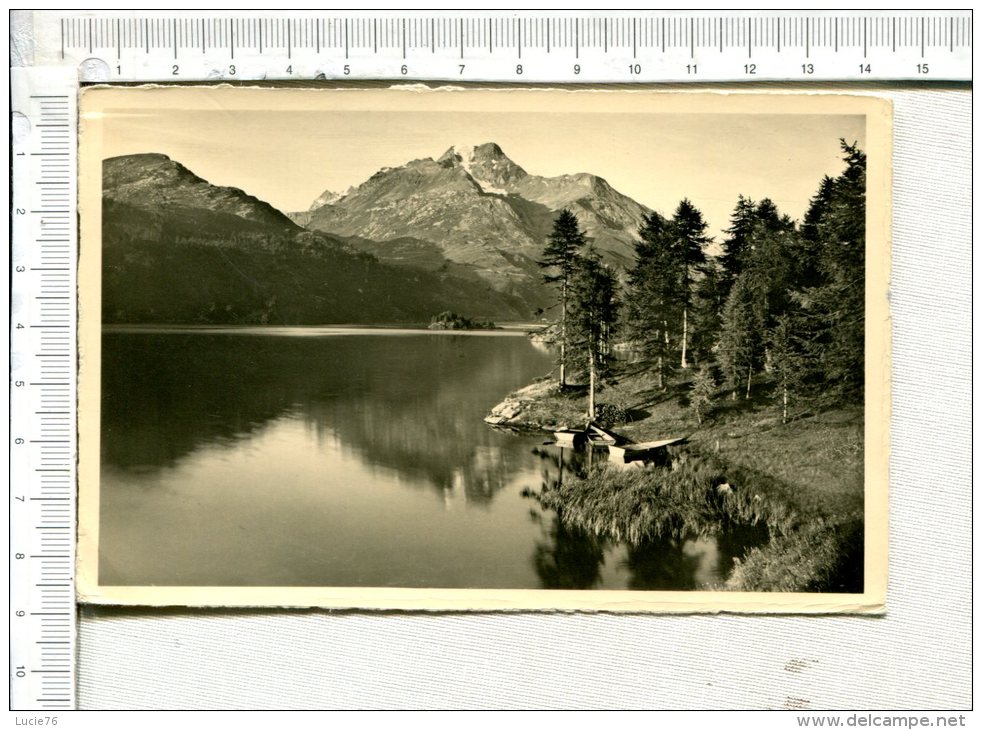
<point>452,321</point>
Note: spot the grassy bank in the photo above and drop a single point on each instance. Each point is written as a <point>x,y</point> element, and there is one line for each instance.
<point>802,479</point>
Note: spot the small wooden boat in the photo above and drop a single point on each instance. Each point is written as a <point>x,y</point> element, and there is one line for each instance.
<point>644,452</point>
<point>570,437</point>
<point>593,434</point>
<point>604,436</point>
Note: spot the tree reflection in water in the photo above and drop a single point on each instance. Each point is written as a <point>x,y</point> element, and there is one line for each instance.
<point>568,557</point>
<point>687,556</point>
<point>662,564</point>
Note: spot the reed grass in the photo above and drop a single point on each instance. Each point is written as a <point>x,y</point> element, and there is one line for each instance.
<point>701,495</point>
<point>817,556</point>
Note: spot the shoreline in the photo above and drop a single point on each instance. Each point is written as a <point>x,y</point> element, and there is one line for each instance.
<point>515,411</point>
<point>506,329</point>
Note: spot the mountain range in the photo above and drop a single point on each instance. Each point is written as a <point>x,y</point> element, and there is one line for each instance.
<point>462,231</point>
<point>475,208</point>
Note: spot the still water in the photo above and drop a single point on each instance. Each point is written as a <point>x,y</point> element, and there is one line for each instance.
<point>344,457</point>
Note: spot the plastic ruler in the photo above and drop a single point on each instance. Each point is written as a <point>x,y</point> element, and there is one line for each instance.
<point>42,390</point>
<point>52,52</point>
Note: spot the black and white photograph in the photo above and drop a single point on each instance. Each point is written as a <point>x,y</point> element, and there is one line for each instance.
<point>410,348</point>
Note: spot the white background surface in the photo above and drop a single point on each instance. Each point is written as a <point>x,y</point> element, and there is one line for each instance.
<point>916,657</point>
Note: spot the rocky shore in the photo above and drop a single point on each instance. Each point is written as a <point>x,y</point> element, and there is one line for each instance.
<point>523,409</point>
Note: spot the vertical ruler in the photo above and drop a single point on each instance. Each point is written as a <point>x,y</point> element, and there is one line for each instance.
<point>42,390</point>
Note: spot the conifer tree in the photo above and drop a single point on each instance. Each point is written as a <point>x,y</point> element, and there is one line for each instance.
<point>741,337</point>
<point>689,231</point>
<point>836,308</point>
<point>707,310</point>
<point>592,316</point>
<point>703,388</point>
<point>787,360</point>
<point>768,215</point>
<point>817,208</point>
<point>653,310</point>
<point>559,260</point>
<point>769,273</point>
<point>737,241</point>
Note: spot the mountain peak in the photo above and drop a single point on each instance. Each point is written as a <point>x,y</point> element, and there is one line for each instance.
<point>488,149</point>
<point>478,212</point>
<point>328,197</point>
<point>454,154</point>
<point>468,153</point>
<point>138,169</point>
<point>152,180</point>
<point>487,164</point>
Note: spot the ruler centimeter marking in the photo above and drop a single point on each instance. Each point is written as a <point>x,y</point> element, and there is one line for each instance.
<point>512,46</point>
<point>42,395</point>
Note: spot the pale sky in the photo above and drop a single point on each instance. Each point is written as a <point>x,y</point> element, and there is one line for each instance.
<point>287,147</point>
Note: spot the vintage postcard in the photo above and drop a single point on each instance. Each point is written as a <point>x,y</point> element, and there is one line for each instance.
<point>484,349</point>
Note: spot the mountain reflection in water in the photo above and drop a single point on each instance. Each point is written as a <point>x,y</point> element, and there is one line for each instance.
<point>400,402</point>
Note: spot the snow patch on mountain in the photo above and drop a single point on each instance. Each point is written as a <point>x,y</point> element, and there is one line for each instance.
<point>466,155</point>
<point>329,197</point>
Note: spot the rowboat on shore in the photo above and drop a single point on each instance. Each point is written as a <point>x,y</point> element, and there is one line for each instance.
<point>570,437</point>
<point>593,434</point>
<point>642,453</point>
<point>623,451</point>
